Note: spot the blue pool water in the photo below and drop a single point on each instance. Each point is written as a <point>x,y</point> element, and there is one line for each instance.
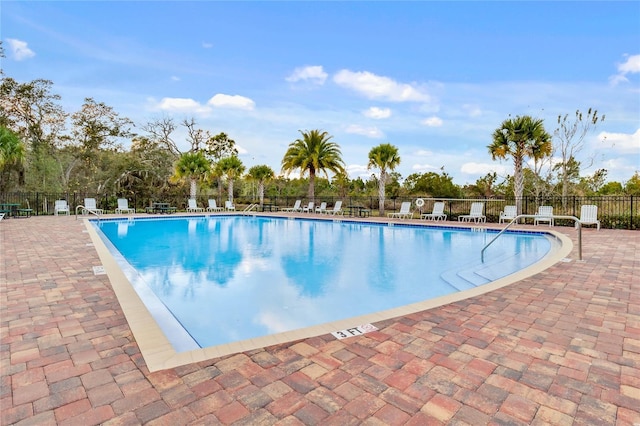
<point>210,280</point>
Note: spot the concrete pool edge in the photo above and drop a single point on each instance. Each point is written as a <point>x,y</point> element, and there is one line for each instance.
<point>159,354</point>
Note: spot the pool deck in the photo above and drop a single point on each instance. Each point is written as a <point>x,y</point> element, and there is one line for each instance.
<point>561,347</point>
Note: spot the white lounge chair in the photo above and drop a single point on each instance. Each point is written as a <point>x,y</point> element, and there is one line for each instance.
<point>309,208</point>
<point>90,206</point>
<point>213,207</point>
<point>123,206</point>
<point>475,214</point>
<point>337,209</point>
<point>589,216</point>
<point>193,206</point>
<point>61,206</point>
<point>322,208</point>
<point>544,214</point>
<point>508,214</point>
<point>405,211</point>
<point>296,207</point>
<point>228,206</point>
<point>437,213</point>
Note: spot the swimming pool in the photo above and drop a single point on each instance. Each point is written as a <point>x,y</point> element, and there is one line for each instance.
<point>212,280</point>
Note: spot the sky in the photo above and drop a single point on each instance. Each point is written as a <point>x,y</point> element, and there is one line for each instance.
<point>434,79</point>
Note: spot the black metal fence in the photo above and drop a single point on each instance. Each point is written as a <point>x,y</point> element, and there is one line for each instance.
<point>614,212</point>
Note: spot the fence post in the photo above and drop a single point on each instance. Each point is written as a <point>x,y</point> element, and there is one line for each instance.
<point>631,214</point>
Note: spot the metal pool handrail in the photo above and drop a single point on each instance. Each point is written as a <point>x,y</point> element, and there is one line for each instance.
<point>87,210</point>
<point>250,207</point>
<point>520,216</point>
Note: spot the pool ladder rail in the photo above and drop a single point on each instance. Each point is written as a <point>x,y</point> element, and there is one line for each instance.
<point>522,216</point>
<point>250,207</point>
<point>84,209</point>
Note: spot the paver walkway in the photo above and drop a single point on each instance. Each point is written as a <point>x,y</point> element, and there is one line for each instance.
<point>559,348</point>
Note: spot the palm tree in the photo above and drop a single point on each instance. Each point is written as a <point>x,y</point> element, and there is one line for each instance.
<point>314,152</point>
<point>12,155</point>
<point>193,166</point>
<point>384,157</point>
<point>519,138</point>
<point>261,174</point>
<point>231,168</point>
<point>11,148</point>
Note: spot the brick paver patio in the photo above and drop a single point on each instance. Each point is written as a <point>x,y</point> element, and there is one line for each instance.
<point>559,348</point>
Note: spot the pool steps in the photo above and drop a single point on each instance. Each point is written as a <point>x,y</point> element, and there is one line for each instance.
<point>478,273</point>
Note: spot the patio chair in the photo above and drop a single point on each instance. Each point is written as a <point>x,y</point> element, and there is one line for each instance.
<point>61,206</point>
<point>193,206</point>
<point>404,213</point>
<point>213,207</point>
<point>90,206</point>
<point>309,208</point>
<point>123,206</point>
<point>437,213</point>
<point>544,214</point>
<point>337,209</point>
<point>322,208</point>
<point>589,216</point>
<point>509,213</point>
<point>228,206</point>
<point>475,214</point>
<point>296,207</point>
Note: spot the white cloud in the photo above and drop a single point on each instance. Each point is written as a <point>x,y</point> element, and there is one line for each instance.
<point>432,121</point>
<point>370,132</point>
<point>175,78</point>
<point>630,66</point>
<point>180,104</point>
<point>19,49</point>
<point>358,170</point>
<point>424,167</point>
<point>314,74</point>
<point>231,101</point>
<point>622,142</point>
<point>482,169</point>
<point>207,45</point>
<point>378,87</point>
<point>377,113</point>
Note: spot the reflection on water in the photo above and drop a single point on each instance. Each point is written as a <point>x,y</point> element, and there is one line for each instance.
<point>227,278</point>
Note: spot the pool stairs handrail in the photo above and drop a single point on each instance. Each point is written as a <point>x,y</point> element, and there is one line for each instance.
<point>250,207</point>
<point>533,216</point>
<point>84,209</point>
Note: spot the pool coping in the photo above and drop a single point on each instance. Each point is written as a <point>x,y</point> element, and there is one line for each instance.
<point>159,353</point>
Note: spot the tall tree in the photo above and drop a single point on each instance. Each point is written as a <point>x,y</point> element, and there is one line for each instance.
<point>96,127</point>
<point>232,168</point>
<point>11,148</point>
<point>218,147</point>
<point>385,158</point>
<point>192,166</point>
<point>32,111</point>
<point>261,174</point>
<point>147,167</point>
<point>313,153</point>
<point>571,134</point>
<point>160,131</point>
<point>520,138</point>
<point>12,154</point>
